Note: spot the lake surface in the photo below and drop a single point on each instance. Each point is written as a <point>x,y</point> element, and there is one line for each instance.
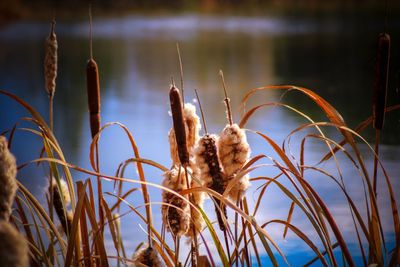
<point>137,57</point>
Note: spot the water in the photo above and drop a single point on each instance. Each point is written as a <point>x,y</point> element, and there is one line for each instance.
<point>137,57</point>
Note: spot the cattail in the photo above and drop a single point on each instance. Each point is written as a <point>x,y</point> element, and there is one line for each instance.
<point>61,199</point>
<point>176,220</point>
<point>381,80</point>
<point>192,128</point>
<point>210,170</point>
<point>93,91</point>
<point>50,62</point>
<point>234,152</point>
<point>13,246</point>
<point>8,182</point>
<point>146,256</point>
<point>179,125</point>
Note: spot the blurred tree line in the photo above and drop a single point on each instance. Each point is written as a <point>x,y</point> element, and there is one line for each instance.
<point>17,9</point>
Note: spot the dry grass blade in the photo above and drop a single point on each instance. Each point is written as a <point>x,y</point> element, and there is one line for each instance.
<point>289,218</point>
<point>302,236</point>
<point>75,226</point>
<point>215,238</point>
<point>84,232</point>
<point>48,133</point>
<point>146,196</point>
<point>39,209</point>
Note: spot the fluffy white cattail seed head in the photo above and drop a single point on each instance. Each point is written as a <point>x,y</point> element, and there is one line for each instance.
<point>234,152</point>
<point>233,149</point>
<point>50,62</point>
<point>146,256</point>
<point>193,125</point>
<point>13,246</point>
<point>8,183</point>
<point>176,218</point>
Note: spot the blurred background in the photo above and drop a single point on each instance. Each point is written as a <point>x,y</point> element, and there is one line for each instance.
<point>327,46</point>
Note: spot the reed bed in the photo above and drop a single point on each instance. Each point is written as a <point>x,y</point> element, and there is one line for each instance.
<point>214,168</point>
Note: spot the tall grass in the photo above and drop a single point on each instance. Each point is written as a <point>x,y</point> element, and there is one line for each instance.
<point>202,166</point>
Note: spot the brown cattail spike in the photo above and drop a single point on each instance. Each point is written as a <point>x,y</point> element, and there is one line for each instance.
<point>8,182</point>
<point>13,246</point>
<point>179,125</point>
<point>176,215</point>
<point>381,80</point>
<point>211,172</point>
<point>50,61</point>
<point>93,91</point>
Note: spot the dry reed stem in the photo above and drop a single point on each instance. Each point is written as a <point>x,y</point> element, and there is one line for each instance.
<point>176,220</point>
<point>50,62</point>
<point>381,80</point>
<point>146,256</point>
<point>210,170</point>
<point>13,246</point>
<point>8,183</point>
<point>234,152</point>
<point>179,125</point>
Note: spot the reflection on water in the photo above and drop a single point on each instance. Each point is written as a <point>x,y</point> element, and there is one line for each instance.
<point>137,57</point>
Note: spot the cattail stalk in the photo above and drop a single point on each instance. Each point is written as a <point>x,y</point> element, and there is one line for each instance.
<point>207,161</point>
<point>50,68</point>
<point>13,246</point>
<point>93,92</point>
<point>8,182</point>
<point>380,93</point>
<point>233,152</point>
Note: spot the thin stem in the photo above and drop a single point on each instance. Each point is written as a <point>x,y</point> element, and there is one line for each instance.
<point>195,249</point>
<point>236,236</point>
<point>386,15</point>
<point>177,248</point>
<point>376,149</point>
<point>227,246</point>
<point>181,71</point>
<point>202,113</point>
<point>90,33</point>
<point>245,237</point>
<point>99,190</point>
<point>51,97</point>
<point>226,100</point>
